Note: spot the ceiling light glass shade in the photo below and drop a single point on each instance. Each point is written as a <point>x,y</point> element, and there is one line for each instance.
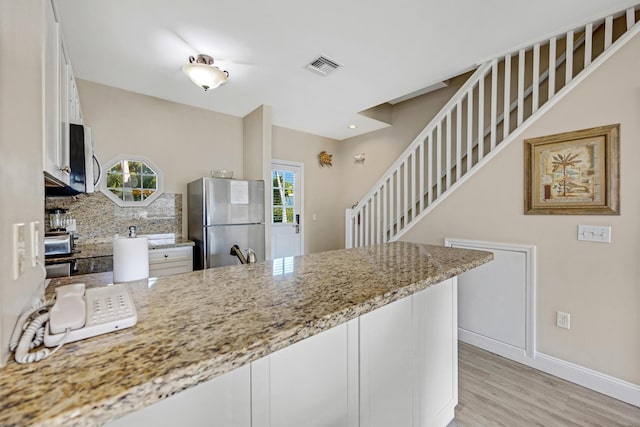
<point>202,72</point>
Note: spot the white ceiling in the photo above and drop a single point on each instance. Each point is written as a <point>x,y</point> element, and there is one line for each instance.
<point>387,49</point>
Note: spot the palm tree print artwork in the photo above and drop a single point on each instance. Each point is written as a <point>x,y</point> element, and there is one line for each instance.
<point>573,173</point>
<point>571,161</point>
<point>569,173</point>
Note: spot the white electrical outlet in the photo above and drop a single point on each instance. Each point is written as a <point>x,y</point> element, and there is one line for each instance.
<point>563,320</point>
<point>19,249</point>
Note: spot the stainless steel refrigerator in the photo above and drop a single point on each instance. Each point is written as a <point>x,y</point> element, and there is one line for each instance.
<point>223,213</point>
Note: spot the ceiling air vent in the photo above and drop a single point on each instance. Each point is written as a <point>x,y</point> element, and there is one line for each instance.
<point>323,66</point>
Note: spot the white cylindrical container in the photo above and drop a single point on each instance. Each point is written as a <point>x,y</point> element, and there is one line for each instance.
<point>130,258</point>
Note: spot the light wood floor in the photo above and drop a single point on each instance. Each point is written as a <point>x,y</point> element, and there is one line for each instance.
<point>494,391</point>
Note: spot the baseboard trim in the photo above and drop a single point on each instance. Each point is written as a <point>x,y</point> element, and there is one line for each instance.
<point>594,380</point>
<point>494,346</point>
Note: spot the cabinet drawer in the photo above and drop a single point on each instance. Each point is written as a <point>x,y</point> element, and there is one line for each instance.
<point>159,270</point>
<point>159,256</point>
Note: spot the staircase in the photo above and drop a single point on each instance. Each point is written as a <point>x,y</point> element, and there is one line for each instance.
<point>499,101</point>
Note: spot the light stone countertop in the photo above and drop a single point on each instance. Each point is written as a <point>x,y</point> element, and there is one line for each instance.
<point>193,327</point>
<point>103,249</point>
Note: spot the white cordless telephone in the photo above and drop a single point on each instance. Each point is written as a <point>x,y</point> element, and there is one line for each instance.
<point>75,314</point>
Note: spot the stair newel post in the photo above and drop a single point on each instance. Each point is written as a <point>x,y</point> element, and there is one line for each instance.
<point>348,228</point>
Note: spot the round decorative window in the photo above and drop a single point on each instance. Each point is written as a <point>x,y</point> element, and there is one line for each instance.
<point>131,181</point>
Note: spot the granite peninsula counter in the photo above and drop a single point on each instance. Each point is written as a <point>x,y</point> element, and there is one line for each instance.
<point>194,327</point>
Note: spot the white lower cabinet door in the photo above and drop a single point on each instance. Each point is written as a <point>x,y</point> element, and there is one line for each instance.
<point>386,366</point>
<point>408,356</point>
<point>313,383</point>
<point>222,401</point>
<point>436,351</point>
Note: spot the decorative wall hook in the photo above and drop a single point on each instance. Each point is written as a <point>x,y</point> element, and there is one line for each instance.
<point>358,159</point>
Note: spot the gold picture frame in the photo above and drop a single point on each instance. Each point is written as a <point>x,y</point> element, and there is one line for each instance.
<point>573,173</point>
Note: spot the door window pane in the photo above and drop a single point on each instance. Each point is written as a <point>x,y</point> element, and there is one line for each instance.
<point>283,196</point>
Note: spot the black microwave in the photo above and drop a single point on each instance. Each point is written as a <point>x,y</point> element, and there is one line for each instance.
<point>83,163</point>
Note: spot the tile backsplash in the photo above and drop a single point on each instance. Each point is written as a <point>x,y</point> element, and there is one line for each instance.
<point>98,219</point>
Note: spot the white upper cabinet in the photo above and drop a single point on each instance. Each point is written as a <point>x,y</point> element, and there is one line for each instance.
<point>51,136</point>
<point>61,103</point>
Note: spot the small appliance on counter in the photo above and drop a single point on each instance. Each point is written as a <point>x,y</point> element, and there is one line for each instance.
<point>59,244</point>
<point>58,219</point>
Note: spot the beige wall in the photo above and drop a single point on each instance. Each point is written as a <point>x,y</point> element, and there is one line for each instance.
<point>322,186</point>
<point>186,143</point>
<point>257,143</point>
<point>22,189</point>
<point>384,146</point>
<point>257,158</point>
<point>598,284</point>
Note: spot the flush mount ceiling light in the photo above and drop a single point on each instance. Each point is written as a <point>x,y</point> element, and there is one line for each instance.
<point>202,72</point>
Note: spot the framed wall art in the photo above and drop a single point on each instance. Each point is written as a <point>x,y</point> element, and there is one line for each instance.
<point>573,173</point>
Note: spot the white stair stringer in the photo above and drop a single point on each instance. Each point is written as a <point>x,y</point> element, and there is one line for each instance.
<point>465,134</point>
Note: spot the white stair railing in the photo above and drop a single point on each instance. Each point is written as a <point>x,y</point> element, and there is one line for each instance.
<point>488,112</point>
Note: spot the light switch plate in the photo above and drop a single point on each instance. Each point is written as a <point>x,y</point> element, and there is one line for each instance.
<point>35,241</point>
<point>595,233</point>
<point>19,249</point>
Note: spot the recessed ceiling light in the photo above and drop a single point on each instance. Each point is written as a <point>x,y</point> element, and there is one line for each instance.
<point>352,126</point>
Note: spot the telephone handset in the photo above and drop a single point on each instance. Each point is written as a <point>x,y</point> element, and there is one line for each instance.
<point>76,313</point>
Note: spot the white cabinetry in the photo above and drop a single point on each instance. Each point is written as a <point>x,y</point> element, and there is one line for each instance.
<point>61,101</point>
<point>386,366</point>
<point>313,383</point>
<point>223,401</point>
<point>408,360</point>
<point>395,366</point>
<point>51,98</point>
<point>163,262</point>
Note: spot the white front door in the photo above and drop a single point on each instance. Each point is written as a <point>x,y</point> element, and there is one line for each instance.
<point>286,209</point>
